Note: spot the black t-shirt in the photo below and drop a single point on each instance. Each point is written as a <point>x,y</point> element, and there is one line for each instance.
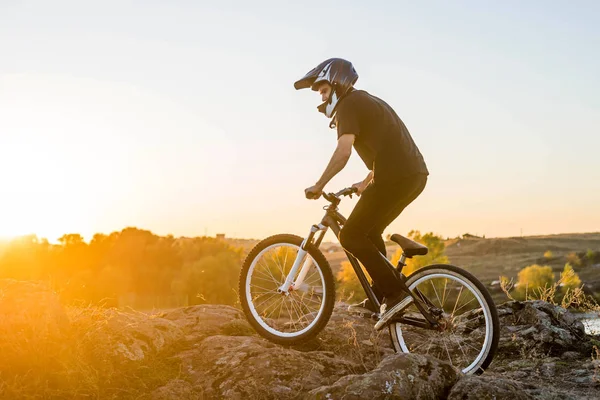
<point>382,140</point>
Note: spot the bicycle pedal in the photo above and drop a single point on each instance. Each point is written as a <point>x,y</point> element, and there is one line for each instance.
<point>385,318</point>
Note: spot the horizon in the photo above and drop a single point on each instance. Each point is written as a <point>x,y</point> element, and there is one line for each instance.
<point>182,118</point>
<point>87,239</point>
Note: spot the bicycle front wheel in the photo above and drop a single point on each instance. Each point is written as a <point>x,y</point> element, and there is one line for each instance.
<point>301,313</point>
<point>469,326</point>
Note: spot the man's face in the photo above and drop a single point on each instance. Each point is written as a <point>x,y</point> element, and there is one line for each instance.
<point>324,90</point>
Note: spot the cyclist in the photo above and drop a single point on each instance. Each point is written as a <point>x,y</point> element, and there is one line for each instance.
<point>397,170</point>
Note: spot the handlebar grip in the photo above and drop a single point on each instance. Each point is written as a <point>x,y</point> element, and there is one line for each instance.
<point>347,191</point>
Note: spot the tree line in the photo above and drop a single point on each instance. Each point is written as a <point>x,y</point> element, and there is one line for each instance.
<point>131,267</point>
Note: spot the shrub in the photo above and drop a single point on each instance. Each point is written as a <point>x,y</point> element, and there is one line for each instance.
<point>573,259</point>
<point>534,278</point>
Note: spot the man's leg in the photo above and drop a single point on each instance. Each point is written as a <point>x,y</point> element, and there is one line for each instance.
<point>377,207</point>
<point>376,234</point>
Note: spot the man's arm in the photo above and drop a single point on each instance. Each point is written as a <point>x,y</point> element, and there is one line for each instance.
<point>362,185</point>
<point>339,159</point>
<point>368,179</point>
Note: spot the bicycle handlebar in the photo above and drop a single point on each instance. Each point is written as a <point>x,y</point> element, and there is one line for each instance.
<point>335,197</point>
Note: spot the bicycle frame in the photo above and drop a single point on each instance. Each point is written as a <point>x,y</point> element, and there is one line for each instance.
<point>334,220</point>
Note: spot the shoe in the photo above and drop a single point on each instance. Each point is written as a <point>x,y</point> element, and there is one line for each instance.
<point>365,309</point>
<point>391,307</point>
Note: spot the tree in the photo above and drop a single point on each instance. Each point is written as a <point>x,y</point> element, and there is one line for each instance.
<point>213,279</point>
<point>533,278</point>
<point>573,259</point>
<point>590,255</point>
<point>435,255</point>
<point>350,287</point>
<point>548,255</point>
<point>133,267</point>
<point>348,284</point>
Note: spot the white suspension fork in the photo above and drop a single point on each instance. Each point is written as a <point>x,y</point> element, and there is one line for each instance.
<point>289,281</point>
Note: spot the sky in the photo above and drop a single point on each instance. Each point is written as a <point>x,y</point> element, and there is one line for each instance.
<point>180,117</point>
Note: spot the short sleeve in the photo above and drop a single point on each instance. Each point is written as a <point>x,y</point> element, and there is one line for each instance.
<point>347,118</point>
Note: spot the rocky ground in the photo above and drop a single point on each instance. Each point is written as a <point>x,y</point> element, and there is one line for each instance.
<point>544,353</point>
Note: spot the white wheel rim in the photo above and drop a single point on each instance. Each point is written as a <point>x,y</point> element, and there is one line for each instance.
<point>253,310</point>
<point>397,329</point>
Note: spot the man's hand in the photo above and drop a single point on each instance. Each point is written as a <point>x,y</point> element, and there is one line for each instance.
<point>313,192</point>
<point>360,187</point>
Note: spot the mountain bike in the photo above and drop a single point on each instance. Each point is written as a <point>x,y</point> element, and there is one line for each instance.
<point>287,292</point>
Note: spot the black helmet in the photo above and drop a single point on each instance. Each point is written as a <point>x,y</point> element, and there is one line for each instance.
<point>339,73</point>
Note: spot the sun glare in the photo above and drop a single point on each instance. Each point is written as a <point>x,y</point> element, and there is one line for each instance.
<point>39,193</point>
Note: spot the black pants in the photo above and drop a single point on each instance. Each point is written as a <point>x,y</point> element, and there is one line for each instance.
<point>361,236</point>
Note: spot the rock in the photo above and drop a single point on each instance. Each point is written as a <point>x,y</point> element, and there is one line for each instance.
<point>537,327</point>
<point>529,331</point>
<point>210,351</point>
<point>548,369</point>
<point>520,374</point>
<point>198,322</point>
<point>240,367</point>
<point>570,355</point>
<point>351,337</point>
<point>587,365</point>
<point>237,327</point>
<point>134,335</point>
<point>583,379</point>
<point>475,388</point>
<point>499,388</point>
<point>177,389</point>
<point>521,364</point>
<point>400,376</point>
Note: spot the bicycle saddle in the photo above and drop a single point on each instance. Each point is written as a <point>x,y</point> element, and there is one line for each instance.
<point>410,247</point>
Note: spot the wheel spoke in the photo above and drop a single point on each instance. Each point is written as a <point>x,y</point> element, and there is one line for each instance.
<point>260,287</point>
<point>457,298</point>
<point>459,337</point>
<point>268,276</point>
<point>461,307</point>
<point>444,293</point>
<point>436,294</point>
<point>275,280</point>
<point>292,313</point>
<point>447,351</point>
<point>265,300</point>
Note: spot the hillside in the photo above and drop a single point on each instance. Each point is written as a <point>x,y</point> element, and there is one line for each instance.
<point>492,257</point>
<point>210,352</point>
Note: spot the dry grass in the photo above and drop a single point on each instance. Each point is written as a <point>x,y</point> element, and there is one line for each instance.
<point>571,298</point>
<point>507,285</point>
<point>75,361</point>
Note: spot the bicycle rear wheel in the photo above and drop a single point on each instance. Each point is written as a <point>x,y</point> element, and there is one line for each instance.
<point>296,316</point>
<point>469,326</point>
